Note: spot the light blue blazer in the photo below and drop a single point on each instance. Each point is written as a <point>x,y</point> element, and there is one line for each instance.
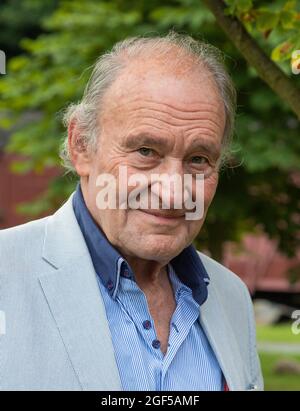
<point>57,335</point>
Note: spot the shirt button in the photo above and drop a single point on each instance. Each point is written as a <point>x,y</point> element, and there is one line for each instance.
<point>147,324</point>
<point>110,285</point>
<point>156,344</point>
<point>175,326</point>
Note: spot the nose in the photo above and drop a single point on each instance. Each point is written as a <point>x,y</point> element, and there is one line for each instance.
<point>169,185</point>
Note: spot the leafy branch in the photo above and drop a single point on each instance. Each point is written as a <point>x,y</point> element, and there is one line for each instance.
<point>267,69</point>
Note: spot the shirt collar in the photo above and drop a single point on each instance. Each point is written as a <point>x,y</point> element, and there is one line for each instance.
<point>109,263</point>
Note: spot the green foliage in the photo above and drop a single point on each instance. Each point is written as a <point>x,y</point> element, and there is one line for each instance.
<point>273,20</point>
<point>19,19</point>
<point>54,67</point>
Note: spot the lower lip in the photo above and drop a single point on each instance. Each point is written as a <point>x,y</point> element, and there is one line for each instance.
<point>163,220</point>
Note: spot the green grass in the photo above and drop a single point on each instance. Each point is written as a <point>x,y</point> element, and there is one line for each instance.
<point>276,382</point>
<point>280,333</point>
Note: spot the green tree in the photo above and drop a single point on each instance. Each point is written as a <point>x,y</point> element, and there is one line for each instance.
<point>258,191</point>
<point>281,17</point>
<point>20,19</point>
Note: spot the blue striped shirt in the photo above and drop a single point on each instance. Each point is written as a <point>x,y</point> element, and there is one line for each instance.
<point>189,363</point>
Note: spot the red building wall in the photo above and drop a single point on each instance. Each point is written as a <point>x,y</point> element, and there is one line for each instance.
<point>15,189</point>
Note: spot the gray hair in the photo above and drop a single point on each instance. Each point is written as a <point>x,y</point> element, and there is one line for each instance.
<point>109,66</point>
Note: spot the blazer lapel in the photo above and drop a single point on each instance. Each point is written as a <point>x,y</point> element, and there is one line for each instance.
<point>74,298</point>
<point>223,341</point>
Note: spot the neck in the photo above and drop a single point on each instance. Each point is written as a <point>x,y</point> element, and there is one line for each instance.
<point>148,273</point>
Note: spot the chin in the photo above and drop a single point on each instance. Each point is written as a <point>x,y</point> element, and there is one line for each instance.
<point>160,248</point>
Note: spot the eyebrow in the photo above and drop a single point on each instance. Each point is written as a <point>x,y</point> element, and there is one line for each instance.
<point>137,140</point>
<point>207,146</point>
<point>145,139</point>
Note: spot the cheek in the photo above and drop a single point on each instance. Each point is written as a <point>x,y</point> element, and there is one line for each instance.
<point>115,224</point>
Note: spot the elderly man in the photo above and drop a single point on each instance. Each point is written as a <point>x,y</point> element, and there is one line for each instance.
<point>117,298</point>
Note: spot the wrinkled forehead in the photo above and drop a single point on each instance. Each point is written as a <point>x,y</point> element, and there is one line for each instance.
<point>186,79</point>
<point>188,89</point>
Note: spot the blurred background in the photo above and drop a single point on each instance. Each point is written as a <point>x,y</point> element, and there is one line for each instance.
<point>253,226</point>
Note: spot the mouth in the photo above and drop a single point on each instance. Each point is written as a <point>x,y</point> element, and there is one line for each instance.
<point>163,218</point>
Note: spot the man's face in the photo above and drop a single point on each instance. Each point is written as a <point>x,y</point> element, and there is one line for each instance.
<point>156,122</point>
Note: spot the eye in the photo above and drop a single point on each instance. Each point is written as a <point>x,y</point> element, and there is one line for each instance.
<point>199,160</point>
<point>145,151</point>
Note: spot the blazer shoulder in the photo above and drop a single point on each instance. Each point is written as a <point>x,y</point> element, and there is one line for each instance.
<point>23,231</point>
<point>21,243</point>
<point>232,292</point>
<point>221,275</point>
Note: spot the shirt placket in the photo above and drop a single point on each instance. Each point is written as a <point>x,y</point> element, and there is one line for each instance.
<point>135,303</point>
<point>184,317</point>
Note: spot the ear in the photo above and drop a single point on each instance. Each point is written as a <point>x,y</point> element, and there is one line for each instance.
<point>80,155</point>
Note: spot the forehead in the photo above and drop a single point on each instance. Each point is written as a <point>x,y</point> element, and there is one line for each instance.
<point>151,91</point>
